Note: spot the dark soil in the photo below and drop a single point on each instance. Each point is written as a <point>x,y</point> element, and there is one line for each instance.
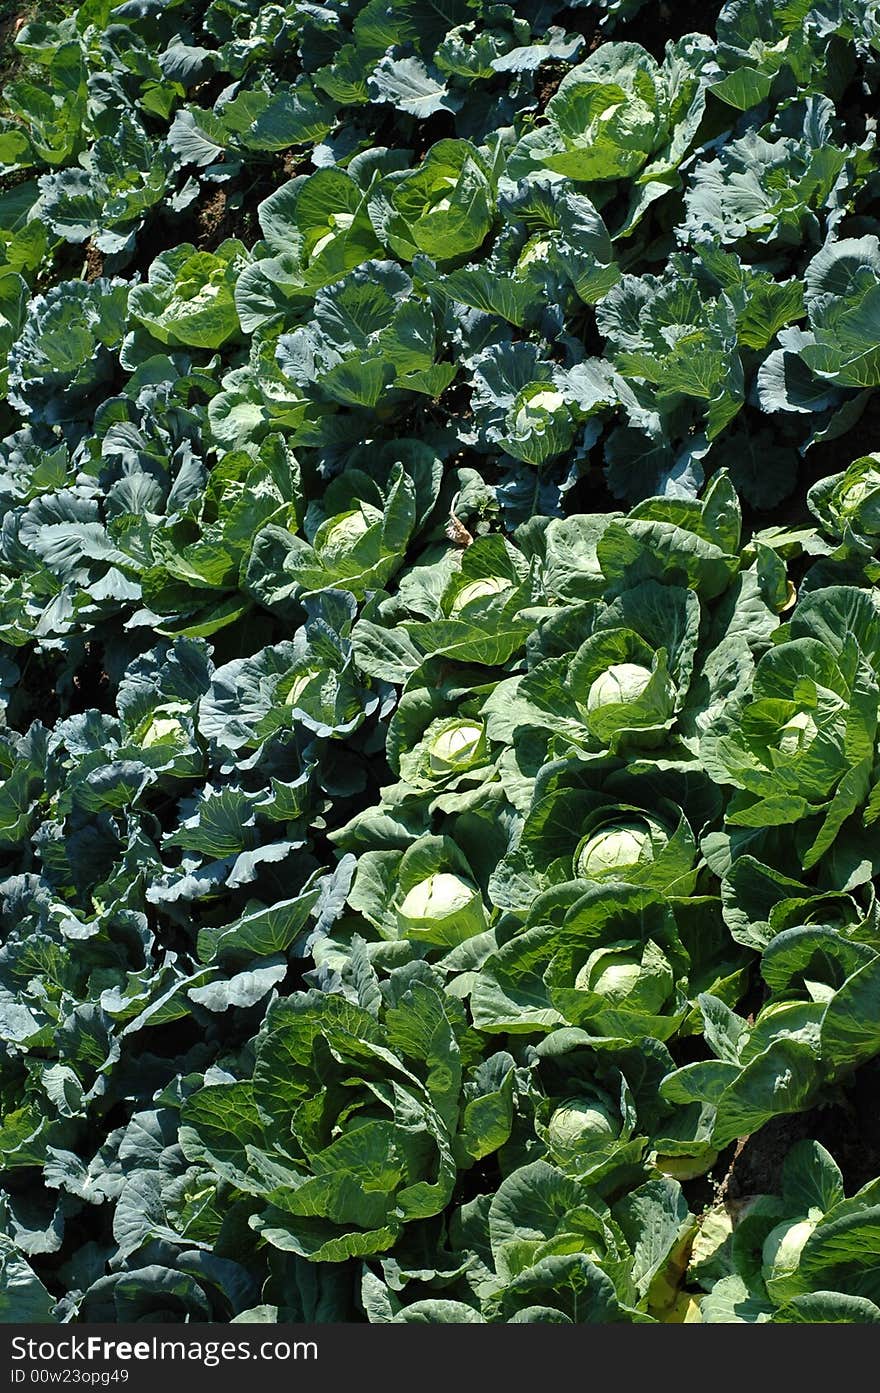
<point>849,1129</point>
<point>437,127</point>
<point>862,439</point>
<point>212,220</point>
<point>91,684</point>
<point>755,1168</point>
<point>548,79</point>
<point>659,24</point>
<point>94,263</point>
<point>581,22</point>
<point>294,162</point>
<point>830,458</point>
<point>653,27</point>
<point>206,92</point>
<point>13,16</point>
<point>36,695</point>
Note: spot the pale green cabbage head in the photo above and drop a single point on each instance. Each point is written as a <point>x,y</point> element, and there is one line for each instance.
<point>164,727</point>
<point>537,249</point>
<point>798,734</point>
<point>444,908</point>
<point>616,848</point>
<point>345,531</point>
<point>535,409</point>
<point>858,495</point>
<point>442,893</point>
<point>781,1255</point>
<point>628,694</point>
<point>455,746</point>
<point>631,975</point>
<point>582,1122</point>
<point>163,730</point>
<point>612,975</point>
<point>336,222</point>
<point>300,685</point>
<point>622,682</point>
<point>480,590</point>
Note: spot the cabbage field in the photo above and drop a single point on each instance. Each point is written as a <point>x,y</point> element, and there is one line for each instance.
<point>440,661</point>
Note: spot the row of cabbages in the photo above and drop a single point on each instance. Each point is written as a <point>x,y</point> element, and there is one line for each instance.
<point>626,765</point>
<point>705,366</point>
<point>527,261</point>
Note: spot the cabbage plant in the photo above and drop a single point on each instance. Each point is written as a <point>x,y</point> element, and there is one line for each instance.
<point>443,208</point>
<point>612,963</point>
<point>800,748</point>
<point>320,1194</point>
<point>188,297</point>
<point>847,506</point>
<point>571,831</point>
<point>620,114</point>
<point>427,895</point>
<point>793,1256</point>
